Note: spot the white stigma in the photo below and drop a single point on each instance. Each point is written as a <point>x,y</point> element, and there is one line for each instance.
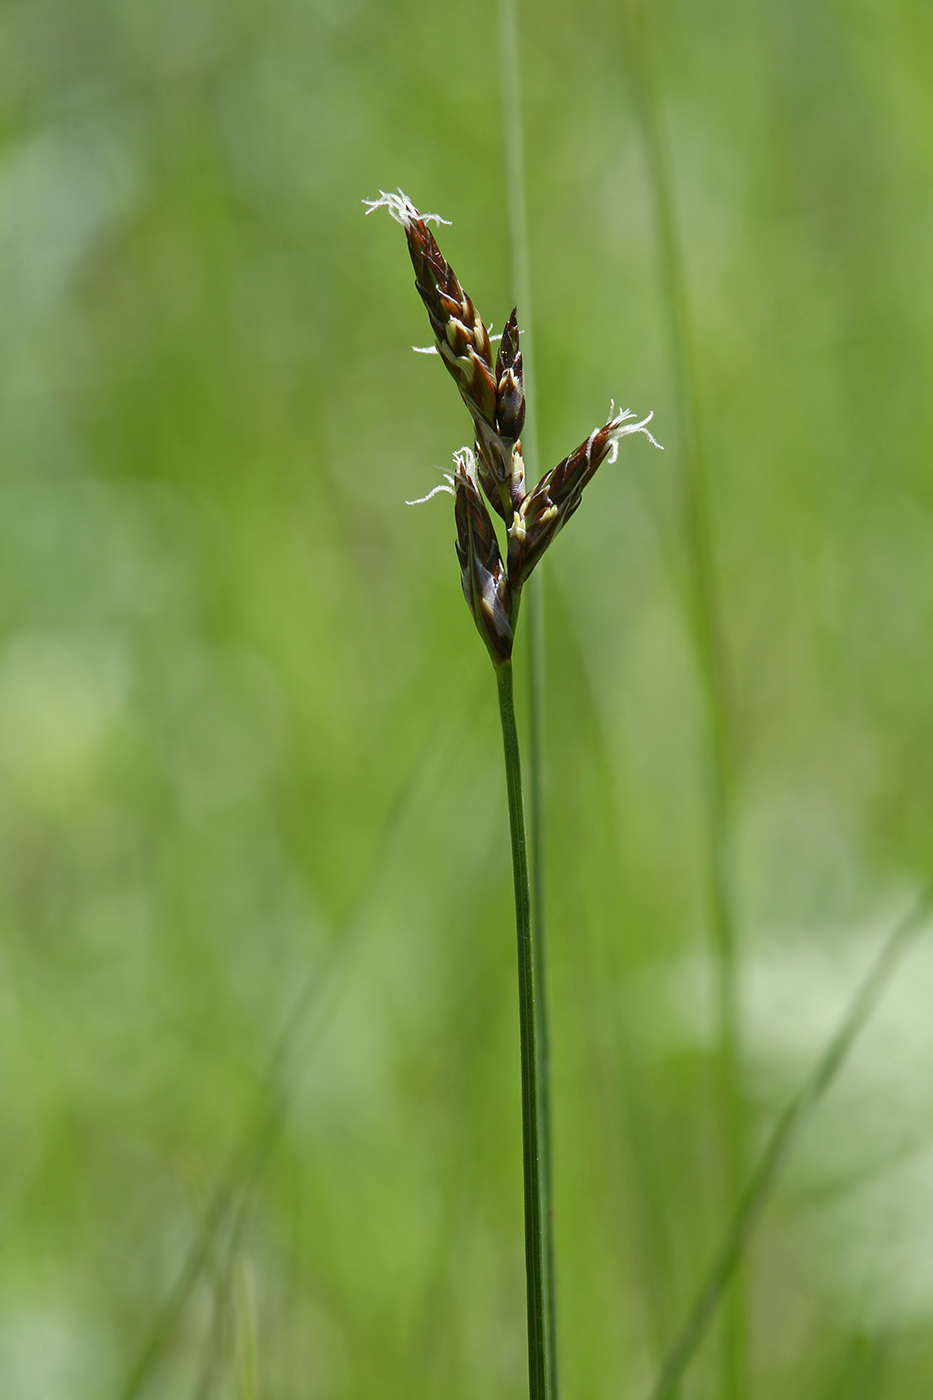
<point>401,209</point>
<point>618,427</point>
<point>447,485</point>
<point>465,462</point>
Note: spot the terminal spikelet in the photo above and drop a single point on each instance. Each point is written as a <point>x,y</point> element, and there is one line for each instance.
<point>463,343</point>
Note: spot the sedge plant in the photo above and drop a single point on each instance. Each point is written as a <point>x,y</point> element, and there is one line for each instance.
<point>489,480</point>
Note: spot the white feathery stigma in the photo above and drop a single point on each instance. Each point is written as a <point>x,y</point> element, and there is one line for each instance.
<point>402,209</point>
<point>465,462</point>
<point>619,427</point>
<point>446,485</point>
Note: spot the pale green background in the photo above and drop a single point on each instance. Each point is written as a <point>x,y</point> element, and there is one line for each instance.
<point>248,745</point>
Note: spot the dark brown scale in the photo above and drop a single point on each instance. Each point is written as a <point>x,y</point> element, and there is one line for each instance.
<point>482,572</point>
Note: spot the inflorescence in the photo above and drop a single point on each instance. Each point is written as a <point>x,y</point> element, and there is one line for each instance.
<point>495,397</point>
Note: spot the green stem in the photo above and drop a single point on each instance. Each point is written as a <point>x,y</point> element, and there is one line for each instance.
<point>534,623</point>
<point>534,626</point>
<point>521,282</point>
<point>537,1215</point>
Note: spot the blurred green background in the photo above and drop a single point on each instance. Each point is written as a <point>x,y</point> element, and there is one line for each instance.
<point>258,1041</point>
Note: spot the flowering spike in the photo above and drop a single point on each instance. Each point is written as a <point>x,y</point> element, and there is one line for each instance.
<point>495,397</point>
<point>465,348</point>
<point>557,495</point>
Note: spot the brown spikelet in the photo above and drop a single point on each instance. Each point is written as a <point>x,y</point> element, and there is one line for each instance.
<point>545,511</point>
<point>482,572</point>
<point>463,343</point>
<point>510,382</point>
<point>461,337</point>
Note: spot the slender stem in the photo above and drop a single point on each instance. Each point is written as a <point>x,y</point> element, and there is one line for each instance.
<point>521,283</point>
<point>534,623</point>
<point>710,653</point>
<point>537,1217</point>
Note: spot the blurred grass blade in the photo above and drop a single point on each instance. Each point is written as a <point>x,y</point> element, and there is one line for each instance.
<point>534,620</point>
<point>706,626</point>
<point>245,1166</point>
<point>247,1341</point>
<point>633,1113</point>
<point>764,1178</point>
<point>866,1369</point>
<point>318,996</point>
